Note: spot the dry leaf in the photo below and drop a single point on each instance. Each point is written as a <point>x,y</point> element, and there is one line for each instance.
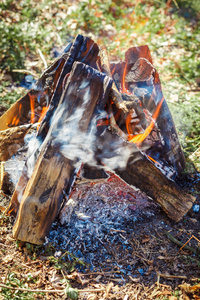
<point>145,239</point>
<point>2,209</point>
<point>8,258</point>
<point>188,288</point>
<point>161,257</point>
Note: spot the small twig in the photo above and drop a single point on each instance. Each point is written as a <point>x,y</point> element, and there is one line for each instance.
<point>48,291</point>
<point>177,242</point>
<point>26,72</point>
<point>136,296</point>
<point>158,280</point>
<point>176,4</point>
<point>42,58</point>
<point>188,242</point>
<point>171,276</point>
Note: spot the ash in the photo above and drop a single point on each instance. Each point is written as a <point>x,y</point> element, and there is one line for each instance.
<point>97,225</point>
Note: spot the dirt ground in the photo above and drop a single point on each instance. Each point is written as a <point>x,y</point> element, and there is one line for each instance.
<point>110,242</point>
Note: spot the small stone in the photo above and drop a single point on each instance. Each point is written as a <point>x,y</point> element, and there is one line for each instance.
<point>196,208</point>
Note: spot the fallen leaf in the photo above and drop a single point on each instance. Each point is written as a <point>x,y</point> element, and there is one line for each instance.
<point>161,257</point>
<point>145,239</point>
<point>2,209</point>
<point>8,258</point>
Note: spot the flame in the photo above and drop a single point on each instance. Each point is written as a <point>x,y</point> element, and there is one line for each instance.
<point>153,160</point>
<point>43,113</point>
<point>123,87</point>
<point>140,137</point>
<point>32,105</point>
<point>16,119</point>
<point>103,122</point>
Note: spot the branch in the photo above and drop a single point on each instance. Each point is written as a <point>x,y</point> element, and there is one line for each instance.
<point>179,243</point>
<point>49,291</point>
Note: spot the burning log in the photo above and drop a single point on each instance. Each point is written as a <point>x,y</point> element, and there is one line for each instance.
<point>41,203</point>
<point>103,114</point>
<point>141,172</point>
<point>82,49</point>
<point>11,140</point>
<point>148,178</point>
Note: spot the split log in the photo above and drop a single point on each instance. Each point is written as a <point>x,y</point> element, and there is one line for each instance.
<point>141,80</point>
<point>83,49</point>
<point>144,175</point>
<point>141,172</point>
<point>86,90</point>
<point>11,140</point>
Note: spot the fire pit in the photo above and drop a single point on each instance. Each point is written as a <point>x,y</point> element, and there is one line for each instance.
<point>108,116</point>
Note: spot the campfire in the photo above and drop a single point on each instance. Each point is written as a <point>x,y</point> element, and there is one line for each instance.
<point>94,115</point>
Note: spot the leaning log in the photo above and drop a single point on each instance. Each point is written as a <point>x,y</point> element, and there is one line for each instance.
<point>53,173</point>
<point>144,175</point>
<point>52,82</point>
<point>139,171</point>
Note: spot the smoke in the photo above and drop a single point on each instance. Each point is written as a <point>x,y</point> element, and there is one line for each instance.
<point>91,146</point>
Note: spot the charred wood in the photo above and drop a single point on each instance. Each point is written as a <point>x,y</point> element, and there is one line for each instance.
<point>11,140</point>
<point>40,204</point>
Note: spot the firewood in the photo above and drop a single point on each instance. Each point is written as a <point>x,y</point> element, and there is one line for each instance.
<point>18,113</point>
<point>115,94</point>
<point>82,49</point>
<point>6,184</point>
<point>11,140</point>
<point>41,202</point>
<point>143,82</point>
<point>141,172</point>
<point>148,178</point>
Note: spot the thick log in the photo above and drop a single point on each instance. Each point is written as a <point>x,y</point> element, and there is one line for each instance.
<point>86,89</point>
<point>141,81</point>
<point>83,49</point>
<point>141,172</point>
<point>148,178</point>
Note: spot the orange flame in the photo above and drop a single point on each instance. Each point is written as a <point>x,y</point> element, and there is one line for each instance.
<point>32,105</point>
<point>153,160</point>
<point>43,113</point>
<point>123,87</point>
<point>103,123</point>
<point>140,137</point>
<point>16,119</point>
